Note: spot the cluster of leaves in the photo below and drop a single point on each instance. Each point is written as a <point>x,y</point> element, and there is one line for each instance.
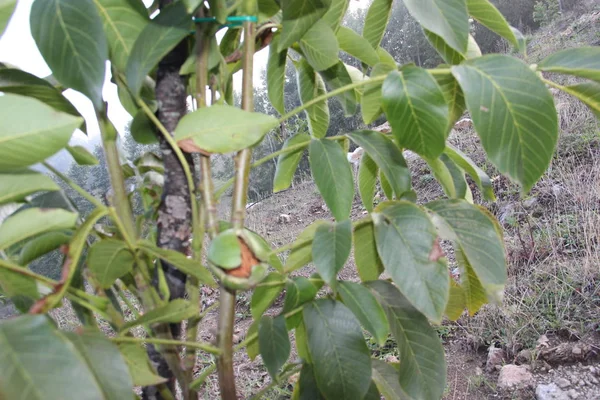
<point>508,101</point>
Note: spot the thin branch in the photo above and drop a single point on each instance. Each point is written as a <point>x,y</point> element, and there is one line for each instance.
<point>74,186</point>
<point>196,345</point>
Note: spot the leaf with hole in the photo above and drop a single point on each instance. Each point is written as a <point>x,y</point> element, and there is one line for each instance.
<point>411,258</point>
<point>310,86</point>
<point>366,309</point>
<point>583,62</point>
<point>331,248</point>
<point>417,111</point>
<point>357,46</point>
<point>513,113</point>
<point>174,311</point>
<point>265,294</point>
<point>367,260</point>
<point>288,163</point>
<point>222,129</point>
<point>341,360</point>
<point>69,35</point>
<point>320,47</point>
<point>82,156</point>
<point>100,370</point>
<point>32,222</point>
<point>157,38</point>
<point>333,176</point>
<point>478,235</point>
<point>123,21</point>
<point>387,156</point>
<point>16,186</point>
<point>108,260</point>
<point>376,21</point>
<point>370,103</point>
<point>225,250</point>
<point>274,343</point>
<point>422,371</point>
<point>298,17</point>
<point>25,141</point>
<point>276,74</point>
<point>446,18</point>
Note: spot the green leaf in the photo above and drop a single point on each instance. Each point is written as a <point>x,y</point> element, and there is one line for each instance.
<point>222,129</point>
<point>411,259</point>
<point>302,252</point>
<point>140,367</point>
<point>422,371</point>
<point>43,244</point>
<point>386,378</point>
<point>334,15</point>
<point>331,248</point>
<point>376,21</point>
<point>310,86</point>
<point>34,221</point>
<point>159,36</point>
<point>488,15</point>
<point>274,343</point>
<point>357,46</point>
<point>385,186</point>
<point>302,342</point>
<point>288,162</point>
<point>387,156</point>
<point>450,55</point>
<point>482,180</point>
<point>333,176</point>
<point>298,291</point>
<point>142,129</point>
<point>454,98</point>
<point>588,93</point>
<point>23,83</point>
<point>7,7</point>
<point>320,47</point>
<point>276,74</point>
<point>252,347</point>
<point>22,290</point>
<point>417,111</point>
<point>17,185</point>
<point>367,260</point>
<point>266,9</point>
<point>108,260</point>
<point>23,372</point>
<point>367,181</point>
<point>366,309</point>
<point>172,312</point>
<point>225,250</point>
<point>582,61</point>
<point>474,293</point>
<point>307,384</point>
<point>337,77</point>
<point>24,140</point>
<point>105,362</point>
<point>456,301</point>
<point>386,58</point>
<point>446,18</point>
<point>265,294</point>
<point>513,113</point>
<point>477,234</point>
<point>341,360</point>
<point>298,17</point>
<point>450,176</point>
<point>123,21</point>
<point>180,261</point>
<point>146,94</point>
<point>69,35</point>
<point>82,156</point>
<point>370,103</point>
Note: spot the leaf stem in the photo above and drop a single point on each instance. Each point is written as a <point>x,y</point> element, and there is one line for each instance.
<point>74,186</point>
<point>196,345</point>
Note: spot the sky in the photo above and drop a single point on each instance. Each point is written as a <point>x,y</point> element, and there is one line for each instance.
<point>18,48</point>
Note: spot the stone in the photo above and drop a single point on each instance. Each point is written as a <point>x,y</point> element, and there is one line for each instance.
<point>530,202</point>
<point>573,394</point>
<point>515,377</point>
<point>495,358</point>
<point>593,380</point>
<point>562,382</point>
<point>524,356</point>
<point>550,392</point>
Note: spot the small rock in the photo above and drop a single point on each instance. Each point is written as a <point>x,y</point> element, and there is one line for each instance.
<point>478,371</point>
<point>562,382</point>
<point>543,341</point>
<point>550,392</point>
<point>392,359</point>
<point>581,383</point>
<point>593,380</point>
<point>514,377</point>
<point>573,394</point>
<point>524,356</point>
<point>530,202</point>
<point>494,358</point>
<point>576,350</point>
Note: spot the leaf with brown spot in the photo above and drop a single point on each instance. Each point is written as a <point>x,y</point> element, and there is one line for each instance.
<point>436,252</point>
